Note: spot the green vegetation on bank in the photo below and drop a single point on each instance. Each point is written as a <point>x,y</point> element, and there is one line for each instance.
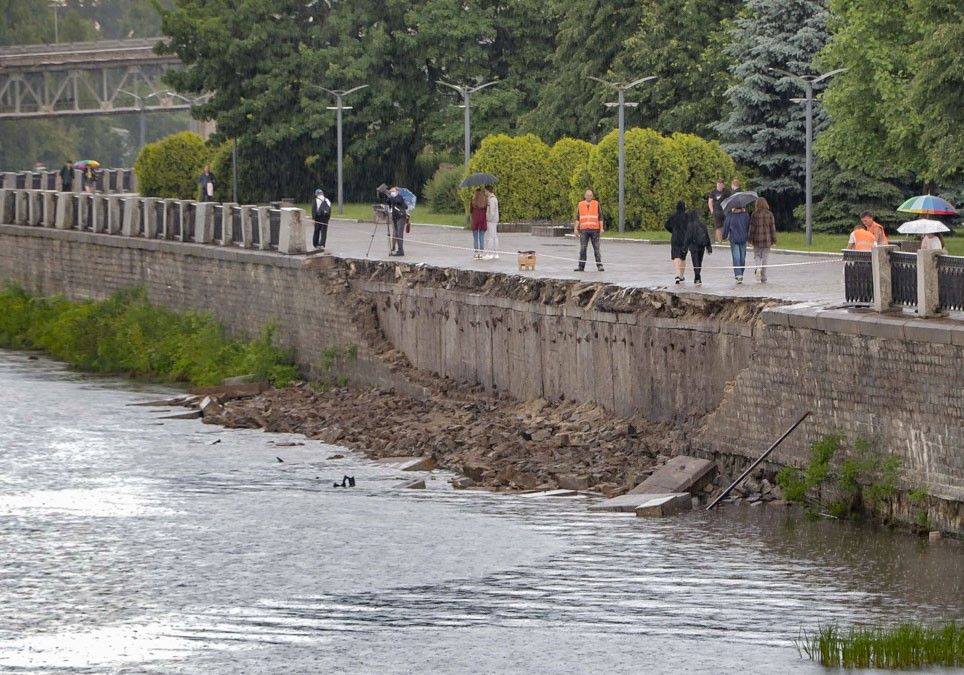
<point>127,334</point>
<point>422,214</point>
<point>907,645</point>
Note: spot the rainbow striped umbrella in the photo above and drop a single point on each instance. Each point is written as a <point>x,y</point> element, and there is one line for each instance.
<point>929,205</point>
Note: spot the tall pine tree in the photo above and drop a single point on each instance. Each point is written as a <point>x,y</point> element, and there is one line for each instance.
<point>765,129</point>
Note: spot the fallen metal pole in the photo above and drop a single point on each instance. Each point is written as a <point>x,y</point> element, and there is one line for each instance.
<point>757,462</point>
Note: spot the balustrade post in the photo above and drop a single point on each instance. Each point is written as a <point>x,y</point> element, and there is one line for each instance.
<point>114,223</point>
<point>291,238</point>
<point>132,217</point>
<point>928,292</point>
<point>49,210</point>
<point>150,217</point>
<point>20,209</point>
<point>6,206</point>
<point>246,226</point>
<point>264,228</point>
<point>227,223</point>
<point>98,213</point>
<point>883,291</point>
<point>64,220</point>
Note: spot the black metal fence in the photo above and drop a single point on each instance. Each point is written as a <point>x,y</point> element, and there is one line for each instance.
<point>950,282</point>
<point>903,279</point>
<point>858,277</point>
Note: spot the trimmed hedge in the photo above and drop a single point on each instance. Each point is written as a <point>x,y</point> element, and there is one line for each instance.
<point>656,175</point>
<point>524,167</point>
<point>570,158</point>
<point>171,166</point>
<point>705,162</point>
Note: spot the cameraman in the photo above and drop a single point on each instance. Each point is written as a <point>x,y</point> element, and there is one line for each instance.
<point>399,217</point>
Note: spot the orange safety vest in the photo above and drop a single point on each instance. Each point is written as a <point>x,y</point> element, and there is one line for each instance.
<point>877,230</point>
<point>589,215</point>
<point>864,240</point>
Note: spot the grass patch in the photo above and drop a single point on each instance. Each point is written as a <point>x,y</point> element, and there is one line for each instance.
<point>422,214</point>
<point>127,334</point>
<point>906,645</point>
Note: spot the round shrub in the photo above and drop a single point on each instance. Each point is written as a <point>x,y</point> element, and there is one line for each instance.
<point>441,192</point>
<point>524,166</point>
<point>655,177</point>
<point>570,157</point>
<point>705,162</point>
<point>170,167</point>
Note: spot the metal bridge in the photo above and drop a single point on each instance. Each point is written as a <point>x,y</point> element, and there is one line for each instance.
<point>85,78</point>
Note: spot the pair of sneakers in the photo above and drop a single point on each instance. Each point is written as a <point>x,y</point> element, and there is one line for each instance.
<point>599,268</point>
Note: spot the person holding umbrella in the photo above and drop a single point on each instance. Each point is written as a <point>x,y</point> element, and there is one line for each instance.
<point>930,232</point>
<point>479,206</point>
<point>736,229</point>
<point>399,215</point>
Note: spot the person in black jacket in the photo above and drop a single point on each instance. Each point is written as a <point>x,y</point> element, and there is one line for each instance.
<point>399,215</point>
<point>676,225</point>
<point>67,177</point>
<point>321,214</point>
<point>696,241</point>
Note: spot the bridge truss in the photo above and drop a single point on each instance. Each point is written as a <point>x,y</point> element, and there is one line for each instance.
<point>85,78</point>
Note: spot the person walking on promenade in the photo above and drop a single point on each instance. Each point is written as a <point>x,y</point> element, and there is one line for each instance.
<point>89,179</point>
<point>491,225</point>
<point>207,183</point>
<point>861,239</point>
<point>398,211</point>
<point>320,214</point>
<point>697,242</point>
<point>932,242</point>
<point>676,226</point>
<point>763,235</point>
<point>67,177</point>
<point>478,215</point>
<point>714,202</point>
<point>875,228</point>
<point>736,228</point>
<point>588,228</point>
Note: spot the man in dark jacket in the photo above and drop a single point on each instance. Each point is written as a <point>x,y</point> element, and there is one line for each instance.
<point>208,183</point>
<point>736,228</point>
<point>67,177</point>
<point>321,214</point>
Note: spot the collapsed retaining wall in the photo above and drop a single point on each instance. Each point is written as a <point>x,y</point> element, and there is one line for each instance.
<point>746,368</point>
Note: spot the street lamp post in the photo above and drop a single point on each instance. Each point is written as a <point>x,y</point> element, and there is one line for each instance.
<point>807,81</point>
<point>465,91</point>
<point>338,107</point>
<point>621,103</point>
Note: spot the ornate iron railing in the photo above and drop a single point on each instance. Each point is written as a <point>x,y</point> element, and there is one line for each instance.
<point>903,278</point>
<point>858,277</point>
<point>950,282</point>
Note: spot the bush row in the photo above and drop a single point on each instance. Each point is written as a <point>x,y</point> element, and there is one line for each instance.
<point>537,181</point>
<point>126,334</point>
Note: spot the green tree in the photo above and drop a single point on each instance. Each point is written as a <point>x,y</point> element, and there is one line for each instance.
<point>590,36</point>
<point>682,43</point>
<point>656,176</point>
<point>765,129</point>
<point>705,162</point>
<point>841,194</point>
<point>570,160</point>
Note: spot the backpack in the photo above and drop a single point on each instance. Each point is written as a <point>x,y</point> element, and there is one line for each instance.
<point>325,211</point>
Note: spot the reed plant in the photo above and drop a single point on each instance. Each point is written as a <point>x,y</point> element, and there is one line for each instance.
<point>127,334</point>
<point>905,645</point>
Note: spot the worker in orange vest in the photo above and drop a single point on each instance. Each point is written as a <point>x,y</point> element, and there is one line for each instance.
<point>588,228</point>
<point>875,228</point>
<point>861,239</point>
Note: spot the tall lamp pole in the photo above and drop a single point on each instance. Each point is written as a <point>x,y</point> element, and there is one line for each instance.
<point>807,82</point>
<point>339,95</point>
<point>621,103</point>
<point>466,91</point>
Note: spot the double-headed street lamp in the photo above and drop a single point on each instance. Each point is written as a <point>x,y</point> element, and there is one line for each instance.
<point>466,91</point>
<point>338,107</point>
<point>807,81</point>
<point>621,103</point>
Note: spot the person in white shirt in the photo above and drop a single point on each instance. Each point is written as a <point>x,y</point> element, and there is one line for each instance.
<point>321,214</point>
<point>491,225</point>
<point>932,242</point>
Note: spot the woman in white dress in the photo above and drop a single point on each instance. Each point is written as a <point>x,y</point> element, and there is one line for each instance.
<point>491,226</point>
<point>932,242</point>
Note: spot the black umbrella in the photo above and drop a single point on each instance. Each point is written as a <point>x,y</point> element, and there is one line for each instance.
<point>478,179</point>
<point>739,200</point>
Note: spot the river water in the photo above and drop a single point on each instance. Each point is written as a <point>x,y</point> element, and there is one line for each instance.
<point>132,544</point>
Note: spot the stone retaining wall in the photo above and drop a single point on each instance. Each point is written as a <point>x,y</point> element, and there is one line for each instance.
<point>747,369</point>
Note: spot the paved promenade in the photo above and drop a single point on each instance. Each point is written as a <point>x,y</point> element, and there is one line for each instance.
<point>817,278</point>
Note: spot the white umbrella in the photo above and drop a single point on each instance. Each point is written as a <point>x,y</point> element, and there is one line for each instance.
<point>923,226</point>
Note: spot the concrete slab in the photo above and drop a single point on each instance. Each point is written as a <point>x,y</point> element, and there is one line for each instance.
<point>417,484</point>
<point>680,474</point>
<point>628,503</point>
<point>409,463</point>
<point>665,505</point>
